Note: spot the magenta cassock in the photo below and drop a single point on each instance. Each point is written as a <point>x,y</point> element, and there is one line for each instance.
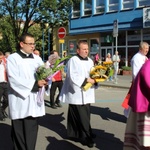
<point>140,92</point>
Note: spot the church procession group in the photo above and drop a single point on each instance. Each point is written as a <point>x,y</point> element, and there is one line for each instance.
<point>23,85</point>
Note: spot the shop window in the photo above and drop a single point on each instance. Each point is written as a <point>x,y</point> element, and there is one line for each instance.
<point>76,10</point>
<point>143,3</point>
<point>106,39</point>
<point>134,37</point>
<point>131,52</point>
<point>100,6</point>
<point>72,46</point>
<point>128,4</point>
<point>113,5</point>
<point>146,31</point>
<point>94,45</point>
<point>121,38</point>
<point>87,7</point>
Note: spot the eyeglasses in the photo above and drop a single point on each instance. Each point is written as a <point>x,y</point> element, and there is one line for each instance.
<point>30,44</point>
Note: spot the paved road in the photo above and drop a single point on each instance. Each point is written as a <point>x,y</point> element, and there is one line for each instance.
<point>107,121</point>
<point>123,82</point>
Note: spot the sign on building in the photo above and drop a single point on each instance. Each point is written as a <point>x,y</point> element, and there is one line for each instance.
<point>108,39</point>
<point>146,17</point>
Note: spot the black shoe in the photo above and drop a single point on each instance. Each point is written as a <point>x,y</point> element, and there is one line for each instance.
<point>58,105</point>
<point>53,106</point>
<point>88,142</point>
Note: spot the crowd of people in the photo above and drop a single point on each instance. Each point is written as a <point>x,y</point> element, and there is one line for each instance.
<point>19,91</point>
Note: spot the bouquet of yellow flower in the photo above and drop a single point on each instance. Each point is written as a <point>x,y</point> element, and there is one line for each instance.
<point>109,65</point>
<point>99,73</point>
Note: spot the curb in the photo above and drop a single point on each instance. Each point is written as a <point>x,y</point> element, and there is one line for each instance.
<point>115,86</point>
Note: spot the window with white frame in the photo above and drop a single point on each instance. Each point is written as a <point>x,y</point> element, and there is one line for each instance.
<point>87,7</point>
<point>143,3</point>
<point>128,4</point>
<point>76,10</point>
<point>100,6</point>
<point>113,5</point>
<point>94,45</point>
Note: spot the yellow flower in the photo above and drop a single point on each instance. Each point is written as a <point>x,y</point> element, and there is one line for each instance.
<point>98,73</point>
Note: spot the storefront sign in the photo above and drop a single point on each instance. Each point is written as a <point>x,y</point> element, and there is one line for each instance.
<point>108,39</point>
<point>146,17</point>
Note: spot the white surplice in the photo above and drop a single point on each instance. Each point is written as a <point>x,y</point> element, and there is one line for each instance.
<point>72,92</point>
<point>21,76</point>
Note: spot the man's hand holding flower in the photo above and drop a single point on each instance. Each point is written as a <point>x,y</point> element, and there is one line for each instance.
<point>42,83</point>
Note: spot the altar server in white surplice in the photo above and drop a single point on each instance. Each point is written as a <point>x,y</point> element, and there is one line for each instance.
<point>23,107</point>
<point>78,69</point>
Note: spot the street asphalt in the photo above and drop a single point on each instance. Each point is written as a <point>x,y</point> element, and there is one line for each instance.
<point>107,121</point>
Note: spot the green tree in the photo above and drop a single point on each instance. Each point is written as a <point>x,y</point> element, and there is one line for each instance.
<point>21,15</point>
<point>7,42</point>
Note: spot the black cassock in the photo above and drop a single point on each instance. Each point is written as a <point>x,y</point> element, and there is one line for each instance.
<point>78,124</point>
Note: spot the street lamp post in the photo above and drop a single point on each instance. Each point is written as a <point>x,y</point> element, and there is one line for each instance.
<point>43,40</point>
<point>49,34</point>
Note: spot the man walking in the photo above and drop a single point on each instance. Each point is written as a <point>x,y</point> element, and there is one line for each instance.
<point>116,61</point>
<point>78,122</point>
<point>24,87</point>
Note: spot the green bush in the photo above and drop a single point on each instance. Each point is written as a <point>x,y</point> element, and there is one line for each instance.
<point>126,68</point>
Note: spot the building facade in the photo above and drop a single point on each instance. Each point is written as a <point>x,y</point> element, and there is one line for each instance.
<point>109,25</point>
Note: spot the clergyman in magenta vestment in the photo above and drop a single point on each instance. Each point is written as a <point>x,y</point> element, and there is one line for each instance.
<point>140,92</point>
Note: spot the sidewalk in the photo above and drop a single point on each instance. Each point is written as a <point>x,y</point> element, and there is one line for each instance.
<point>124,81</point>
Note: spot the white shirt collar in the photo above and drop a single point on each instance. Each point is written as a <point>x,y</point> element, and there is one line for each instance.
<point>24,53</point>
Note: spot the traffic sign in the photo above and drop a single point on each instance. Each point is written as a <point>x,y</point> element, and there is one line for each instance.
<point>61,41</point>
<point>61,33</point>
<point>115,28</point>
